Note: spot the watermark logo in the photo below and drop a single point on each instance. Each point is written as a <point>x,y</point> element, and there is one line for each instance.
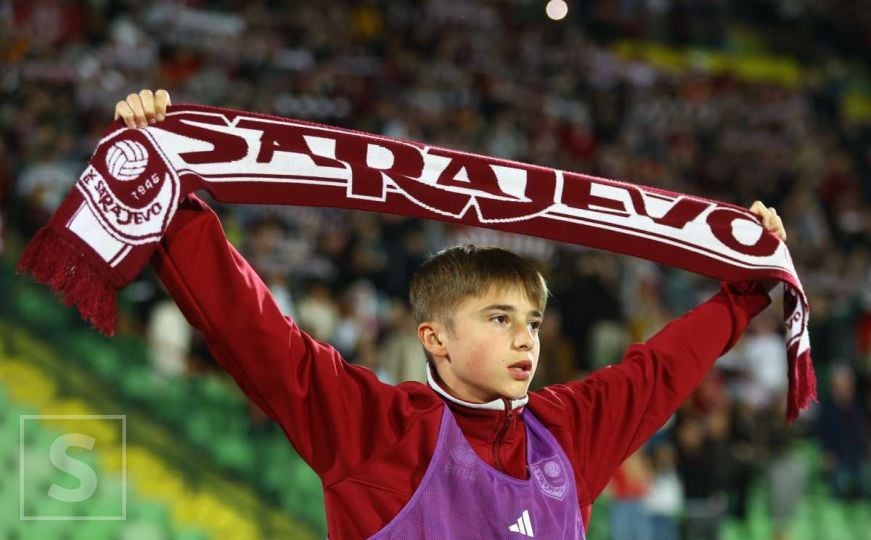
<point>64,467</point>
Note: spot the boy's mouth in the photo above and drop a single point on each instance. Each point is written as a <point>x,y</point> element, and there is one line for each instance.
<point>521,371</point>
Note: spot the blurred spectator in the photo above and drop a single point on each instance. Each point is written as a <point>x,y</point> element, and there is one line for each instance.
<point>703,462</point>
<point>401,354</point>
<point>5,188</point>
<point>318,312</point>
<point>763,354</point>
<point>787,472</point>
<point>590,298</point>
<point>557,357</point>
<point>367,355</point>
<point>748,450</point>
<point>643,298</point>
<point>664,501</point>
<point>169,337</point>
<point>844,433</point>
<point>628,488</point>
<point>348,332</point>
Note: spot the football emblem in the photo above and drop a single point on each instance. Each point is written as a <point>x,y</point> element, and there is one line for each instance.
<point>126,160</point>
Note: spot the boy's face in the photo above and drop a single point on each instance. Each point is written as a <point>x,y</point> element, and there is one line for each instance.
<point>492,348</point>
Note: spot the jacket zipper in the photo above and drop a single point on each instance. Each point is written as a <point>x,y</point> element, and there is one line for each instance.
<point>501,434</point>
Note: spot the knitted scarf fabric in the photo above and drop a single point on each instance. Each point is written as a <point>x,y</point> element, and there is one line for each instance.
<point>107,228</point>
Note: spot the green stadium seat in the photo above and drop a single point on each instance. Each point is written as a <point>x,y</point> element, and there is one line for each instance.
<point>277,460</point>
<point>305,500</point>
<point>199,428</point>
<point>107,364</point>
<point>9,436</point>
<point>138,382</point>
<point>44,529</point>
<point>221,394</point>
<point>234,452</point>
<point>9,501</point>
<point>191,534</point>
<point>80,346</point>
<point>93,530</point>
<point>107,501</point>
<point>40,310</point>
<point>132,349</point>
<point>143,530</point>
<point>50,507</point>
<point>149,511</point>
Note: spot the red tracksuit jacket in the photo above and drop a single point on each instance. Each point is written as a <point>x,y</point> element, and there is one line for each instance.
<point>370,442</point>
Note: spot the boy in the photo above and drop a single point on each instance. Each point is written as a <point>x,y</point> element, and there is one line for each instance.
<point>471,454</point>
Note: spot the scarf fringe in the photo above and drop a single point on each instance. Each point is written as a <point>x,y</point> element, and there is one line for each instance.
<point>56,262</point>
<point>802,385</point>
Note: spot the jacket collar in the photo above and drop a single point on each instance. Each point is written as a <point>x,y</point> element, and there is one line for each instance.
<point>498,404</point>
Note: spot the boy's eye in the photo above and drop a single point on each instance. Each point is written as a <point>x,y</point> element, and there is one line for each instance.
<point>535,325</point>
<point>501,319</point>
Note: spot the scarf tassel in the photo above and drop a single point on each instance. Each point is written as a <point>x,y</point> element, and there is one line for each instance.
<point>56,262</point>
<point>802,385</point>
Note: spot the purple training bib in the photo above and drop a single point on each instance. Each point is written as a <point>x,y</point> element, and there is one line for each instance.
<point>462,497</point>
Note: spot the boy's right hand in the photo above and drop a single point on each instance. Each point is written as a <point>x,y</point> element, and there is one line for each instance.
<point>144,108</point>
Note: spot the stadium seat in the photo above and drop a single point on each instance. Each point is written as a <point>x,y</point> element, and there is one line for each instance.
<point>9,435</point>
<point>142,530</point>
<point>89,530</point>
<point>39,310</point>
<point>149,511</point>
<point>199,428</point>
<point>191,534</point>
<point>168,403</point>
<point>107,363</point>
<point>9,499</point>
<point>138,382</point>
<point>234,452</point>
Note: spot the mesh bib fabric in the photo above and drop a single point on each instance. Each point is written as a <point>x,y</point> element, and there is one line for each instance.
<point>462,497</point>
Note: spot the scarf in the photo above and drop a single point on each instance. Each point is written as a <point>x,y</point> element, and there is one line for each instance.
<point>104,232</point>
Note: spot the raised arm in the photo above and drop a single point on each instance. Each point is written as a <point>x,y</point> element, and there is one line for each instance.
<point>610,414</point>
<point>336,415</point>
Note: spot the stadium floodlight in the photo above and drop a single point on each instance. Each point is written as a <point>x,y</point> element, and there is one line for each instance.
<point>557,9</point>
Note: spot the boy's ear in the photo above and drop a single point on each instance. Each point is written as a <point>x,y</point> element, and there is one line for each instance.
<point>429,333</point>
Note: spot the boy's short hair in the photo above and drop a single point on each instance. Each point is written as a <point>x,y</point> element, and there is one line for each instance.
<point>448,277</point>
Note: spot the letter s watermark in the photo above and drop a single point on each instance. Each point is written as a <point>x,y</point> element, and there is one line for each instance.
<point>82,471</point>
<point>46,457</point>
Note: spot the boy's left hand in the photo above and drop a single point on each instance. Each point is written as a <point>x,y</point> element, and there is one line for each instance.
<point>773,224</point>
<point>770,220</point>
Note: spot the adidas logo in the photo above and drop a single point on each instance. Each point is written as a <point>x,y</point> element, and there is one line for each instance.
<point>523,525</point>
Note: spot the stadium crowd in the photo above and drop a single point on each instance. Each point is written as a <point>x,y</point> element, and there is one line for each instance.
<point>497,78</point>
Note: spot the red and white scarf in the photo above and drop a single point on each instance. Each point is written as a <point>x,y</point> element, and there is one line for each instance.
<point>106,229</point>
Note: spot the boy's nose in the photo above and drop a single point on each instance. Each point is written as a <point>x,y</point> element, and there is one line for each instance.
<point>523,338</point>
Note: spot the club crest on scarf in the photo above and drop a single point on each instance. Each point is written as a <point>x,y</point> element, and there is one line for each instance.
<point>129,188</point>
